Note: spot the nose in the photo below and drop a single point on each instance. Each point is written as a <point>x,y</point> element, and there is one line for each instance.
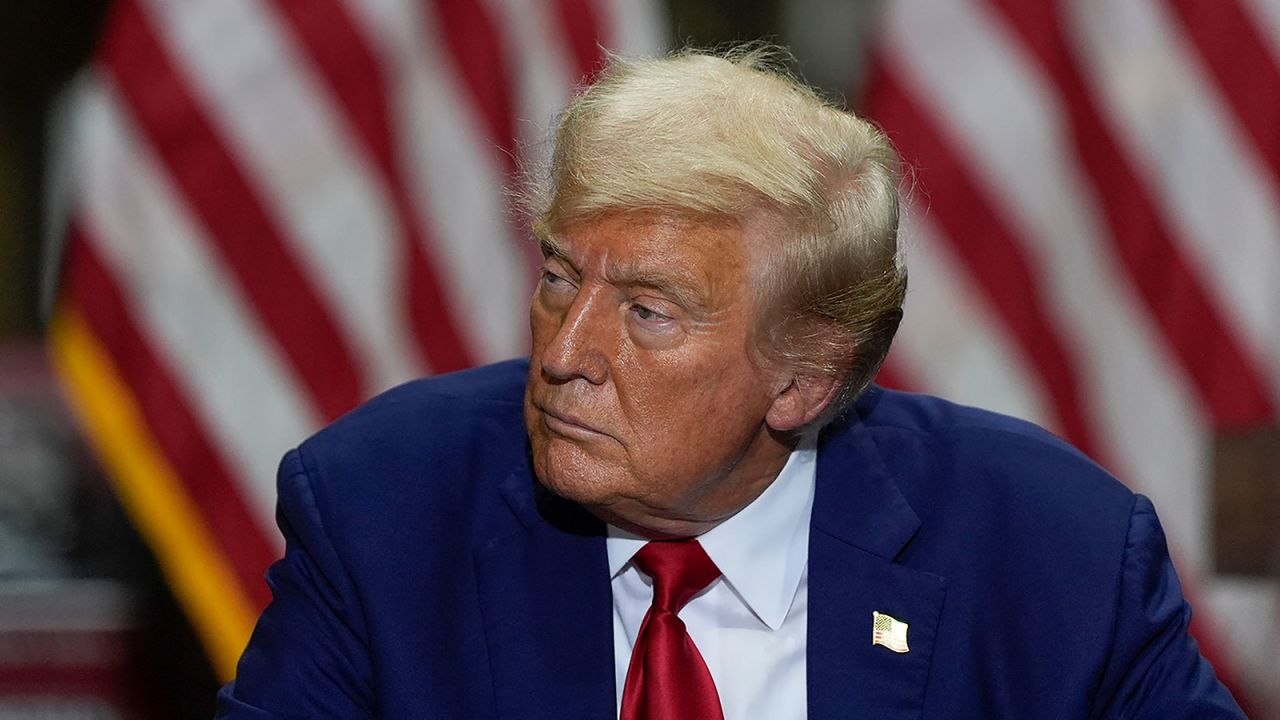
<point>576,350</point>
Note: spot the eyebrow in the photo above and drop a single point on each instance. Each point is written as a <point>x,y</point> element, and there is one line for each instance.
<point>682,290</point>
<point>551,247</point>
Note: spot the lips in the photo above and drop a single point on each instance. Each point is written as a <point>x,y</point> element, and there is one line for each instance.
<point>568,424</point>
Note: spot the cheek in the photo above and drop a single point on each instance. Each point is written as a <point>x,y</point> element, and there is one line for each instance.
<point>690,392</point>
<point>542,326</point>
<point>687,425</point>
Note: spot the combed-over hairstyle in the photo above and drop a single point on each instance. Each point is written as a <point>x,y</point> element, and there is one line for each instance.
<point>731,134</point>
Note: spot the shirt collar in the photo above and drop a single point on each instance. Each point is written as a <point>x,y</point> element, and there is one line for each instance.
<point>762,550</point>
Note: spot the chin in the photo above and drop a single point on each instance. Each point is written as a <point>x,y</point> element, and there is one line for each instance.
<point>573,475</point>
<point>601,491</point>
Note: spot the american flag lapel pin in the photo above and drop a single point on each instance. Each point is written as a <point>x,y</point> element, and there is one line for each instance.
<point>889,632</point>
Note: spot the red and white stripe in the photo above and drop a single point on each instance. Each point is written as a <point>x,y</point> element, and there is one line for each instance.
<point>282,207</point>
<point>1097,194</point>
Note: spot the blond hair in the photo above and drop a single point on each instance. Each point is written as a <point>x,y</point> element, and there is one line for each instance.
<point>731,134</point>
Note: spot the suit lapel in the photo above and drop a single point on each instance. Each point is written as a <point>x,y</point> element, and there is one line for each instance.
<point>547,607</point>
<point>861,522</point>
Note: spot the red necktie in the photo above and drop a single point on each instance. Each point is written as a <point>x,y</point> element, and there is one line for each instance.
<point>668,679</point>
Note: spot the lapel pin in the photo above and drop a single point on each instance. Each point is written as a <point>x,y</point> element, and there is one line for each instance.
<point>889,632</point>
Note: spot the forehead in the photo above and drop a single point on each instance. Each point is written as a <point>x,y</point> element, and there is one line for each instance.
<point>642,247</point>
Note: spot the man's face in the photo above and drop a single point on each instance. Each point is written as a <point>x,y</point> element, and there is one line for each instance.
<point>643,402</point>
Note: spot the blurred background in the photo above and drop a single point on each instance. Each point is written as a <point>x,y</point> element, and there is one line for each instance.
<point>225,222</point>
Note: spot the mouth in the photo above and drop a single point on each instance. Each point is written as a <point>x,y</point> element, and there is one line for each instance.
<point>570,426</point>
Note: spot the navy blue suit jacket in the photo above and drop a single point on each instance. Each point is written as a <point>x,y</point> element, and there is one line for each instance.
<point>428,575</point>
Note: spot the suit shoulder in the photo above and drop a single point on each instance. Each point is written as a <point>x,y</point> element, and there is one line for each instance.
<point>881,408</point>
<point>982,435</point>
<point>423,460</point>
<point>430,407</point>
<point>425,433</point>
<point>500,383</point>
<point>980,459</point>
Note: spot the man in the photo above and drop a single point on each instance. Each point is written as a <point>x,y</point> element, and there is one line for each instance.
<point>687,503</point>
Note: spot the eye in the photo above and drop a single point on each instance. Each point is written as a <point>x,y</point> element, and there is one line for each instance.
<point>554,282</point>
<point>649,315</point>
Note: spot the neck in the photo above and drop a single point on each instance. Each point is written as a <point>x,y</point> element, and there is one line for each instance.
<point>709,503</point>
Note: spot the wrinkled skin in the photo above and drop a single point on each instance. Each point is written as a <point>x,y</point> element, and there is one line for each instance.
<point>646,402</point>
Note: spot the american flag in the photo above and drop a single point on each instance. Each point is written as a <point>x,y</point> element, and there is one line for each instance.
<point>278,208</point>
<point>1095,234</point>
<point>889,632</point>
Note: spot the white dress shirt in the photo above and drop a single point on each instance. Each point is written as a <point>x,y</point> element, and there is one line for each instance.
<point>749,624</point>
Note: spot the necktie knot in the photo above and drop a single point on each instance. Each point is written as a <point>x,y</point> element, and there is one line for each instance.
<point>680,569</point>
<point>668,679</point>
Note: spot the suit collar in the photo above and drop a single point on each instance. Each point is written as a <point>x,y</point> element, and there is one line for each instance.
<point>861,526</point>
<point>858,501</point>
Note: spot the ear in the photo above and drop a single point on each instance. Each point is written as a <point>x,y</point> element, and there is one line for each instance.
<point>801,400</point>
